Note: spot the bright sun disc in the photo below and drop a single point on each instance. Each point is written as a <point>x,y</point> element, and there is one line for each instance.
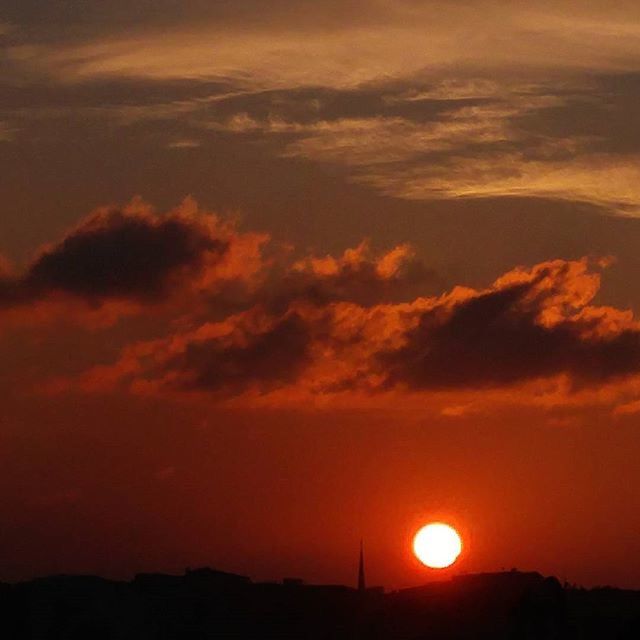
<point>437,545</point>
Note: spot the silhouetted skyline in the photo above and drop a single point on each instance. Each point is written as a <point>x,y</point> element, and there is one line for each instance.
<point>209,603</point>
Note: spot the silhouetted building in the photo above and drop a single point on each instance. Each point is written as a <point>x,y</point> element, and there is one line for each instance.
<point>362,586</point>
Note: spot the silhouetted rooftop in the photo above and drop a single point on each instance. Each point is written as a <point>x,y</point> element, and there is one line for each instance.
<point>206,603</point>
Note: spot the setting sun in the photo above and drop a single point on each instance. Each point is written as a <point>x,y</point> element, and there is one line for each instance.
<point>437,545</point>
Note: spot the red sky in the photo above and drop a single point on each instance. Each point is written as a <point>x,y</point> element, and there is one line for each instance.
<point>276,279</point>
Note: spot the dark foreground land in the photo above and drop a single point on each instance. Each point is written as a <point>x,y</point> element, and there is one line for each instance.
<point>211,604</point>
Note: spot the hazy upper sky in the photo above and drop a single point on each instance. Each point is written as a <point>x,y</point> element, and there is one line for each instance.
<point>275,276</point>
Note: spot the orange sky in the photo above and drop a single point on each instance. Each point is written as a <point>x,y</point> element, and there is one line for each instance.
<point>275,280</point>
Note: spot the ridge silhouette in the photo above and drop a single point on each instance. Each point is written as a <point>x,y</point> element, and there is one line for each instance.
<point>206,603</point>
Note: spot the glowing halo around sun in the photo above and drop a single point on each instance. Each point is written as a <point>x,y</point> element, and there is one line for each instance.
<point>437,545</point>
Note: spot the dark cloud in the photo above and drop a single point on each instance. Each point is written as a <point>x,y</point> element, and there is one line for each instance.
<point>529,325</point>
<point>11,291</point>
<point>358,275</point>
<point>600,112</point>
<point>359,320</point>
<point>133,254</point>
<point>499,338</point>
<point>105,93</point>
<point>269,358</point>
<point>119,254</point>
<point>308,105</point>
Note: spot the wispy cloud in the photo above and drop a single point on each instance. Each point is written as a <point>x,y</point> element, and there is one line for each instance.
<point>488,148</point>
<point>398,39</point>
<point>483,99</point>
<point>184,144</point>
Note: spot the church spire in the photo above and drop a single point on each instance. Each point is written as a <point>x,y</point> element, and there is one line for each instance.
<point>361,582</point>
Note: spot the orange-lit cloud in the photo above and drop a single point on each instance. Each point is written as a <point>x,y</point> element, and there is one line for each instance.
<point>117,261</point>
<point>359,275</point>
<point>247,321</point>
<point>529,325</point>
<point>533,334</point>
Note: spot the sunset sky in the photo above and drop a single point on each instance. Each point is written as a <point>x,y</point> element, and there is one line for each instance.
<point>278,276</point>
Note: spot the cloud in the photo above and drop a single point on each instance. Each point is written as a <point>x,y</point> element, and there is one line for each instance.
<point>133,257</point>
<point>358,275</point>
<point>345,44</point>
<point>412,100</point>
<point>6,268</point>
<point>529,325</point>
<point>184,144</point>
<point>607,181</point>
<point>270,354</point>
<point>119,254</point>
<point>250,350</point>
<point>248,318</point>
<point>438,138</point>
<point>126,260</point>
<point>534,331</point>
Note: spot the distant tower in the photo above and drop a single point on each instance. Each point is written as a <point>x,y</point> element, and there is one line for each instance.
<point>361,582</point>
